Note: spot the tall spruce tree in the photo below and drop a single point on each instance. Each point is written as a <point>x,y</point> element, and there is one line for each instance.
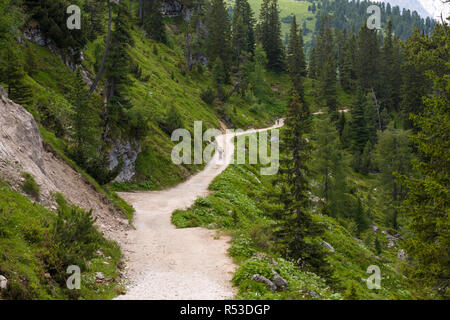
<point>243,35</point>
<point>367,59</point>
<point>324,45</point>
<point>95,10</point>
<point>358,123</point>
<point>296,58</point>
<point>218,42</point>
<point>85,123</point>
<point>388,75</point>
<point>393,155</point>
<point>415,83</point>
<point>329,167</point>
<point>361,218</point>
<point>428,203</point>
<point>359,132</point>
<point>312,65</point>
<point>269,30</point>
<point>117,69</point>
<point>347,72</point>
<point>14,75</point>
<point>152,20</point>
<point>327,87</point>
<point>296,231</point>
<point>218,73</point>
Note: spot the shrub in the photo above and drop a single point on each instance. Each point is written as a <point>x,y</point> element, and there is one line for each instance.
<point>138,124</point>
<point>200,68</point>
<point>75,238</point>
<point>203,202</point>
<point>172,121</point>
<point>208,96</point>
<point>30,186</point>
<point>182,68</point>
<point>241,247</point>
<point>184,219</point>
<point>352,292</point>
<point>98,168</point>
<point>262,237</point>
<point>250,268</point>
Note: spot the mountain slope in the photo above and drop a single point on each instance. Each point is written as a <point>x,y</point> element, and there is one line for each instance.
<point>22,150</point>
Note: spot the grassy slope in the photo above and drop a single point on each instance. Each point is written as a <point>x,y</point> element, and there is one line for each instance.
<point>25,232</point>
<point>288,8</point>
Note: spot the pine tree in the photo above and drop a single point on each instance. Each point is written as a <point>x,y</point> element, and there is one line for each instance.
<point>348,73</point>
<point>218,77</point>
<point>95,10</point>
<point>8,22</point>
<point>339,46</point>
<point>360,218</point>
<point>359,132</point>
<point>152,20</point>
<point>242,29</point>
<point>32,64</point>
<point>85,123</point>
<point>367,59</point>
<point>358,124</point>
<point>312,67</point>
<point>428,203</point>
<point>324,46</point>
<point>257,72</point>
<point>393,155</point>
<point>341,123</point>
<point>14,75</point>
<point>239,35</point>
<point>366,158</point>
<point>173,120</point>
<point>327,87</point>
<point>117,69</point>
<point>330,167</point>
<point>218,42</point>
<point>372,119</point>
<point>270,34</point>
<point>378,248</point>
<point>388,88</point>
<point>296,58</point>
<point>415,83</point>
<point>296,231</point>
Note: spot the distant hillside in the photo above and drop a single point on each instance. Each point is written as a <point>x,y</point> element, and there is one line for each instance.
<point>426,8</point>
<point>411,5</point>
<point>352,15</point>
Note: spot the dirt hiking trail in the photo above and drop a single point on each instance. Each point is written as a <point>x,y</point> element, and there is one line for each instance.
<point>165,263</point>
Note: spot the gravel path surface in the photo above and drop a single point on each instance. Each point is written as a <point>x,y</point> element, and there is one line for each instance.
<point>178,264</point>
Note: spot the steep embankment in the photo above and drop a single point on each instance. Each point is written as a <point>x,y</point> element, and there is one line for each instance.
<point>169,263</point>
<point>22,150</point>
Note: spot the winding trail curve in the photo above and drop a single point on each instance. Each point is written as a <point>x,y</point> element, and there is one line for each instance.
<point>165,263</point>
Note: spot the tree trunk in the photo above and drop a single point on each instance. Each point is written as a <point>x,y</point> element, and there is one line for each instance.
<point>188,50</point>
<point>378,108</point>
<point>105,54</point>
<point>141,11</point>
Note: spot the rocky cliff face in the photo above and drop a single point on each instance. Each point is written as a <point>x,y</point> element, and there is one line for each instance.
<point>176,8</point>
<point>172,8</point>
<point>22,150</point>
<point>126,152</point>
